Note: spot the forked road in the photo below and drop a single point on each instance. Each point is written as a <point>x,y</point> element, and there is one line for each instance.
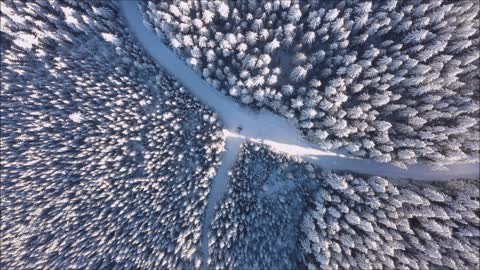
<point>266,127</point>
<point>274,130</point>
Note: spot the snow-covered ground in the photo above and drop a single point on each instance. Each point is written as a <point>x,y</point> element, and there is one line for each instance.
<point>218,189</point>
<point>268,128</point>
<point>334,161</point>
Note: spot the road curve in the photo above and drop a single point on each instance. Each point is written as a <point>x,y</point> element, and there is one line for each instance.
<point>271,129</point>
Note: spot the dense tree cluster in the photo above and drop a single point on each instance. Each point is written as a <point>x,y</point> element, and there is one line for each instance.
<point>359,222</point>
<point>256,224</point>
<point>105,161</point>
<point>282,213</point>
<point>395,81</point>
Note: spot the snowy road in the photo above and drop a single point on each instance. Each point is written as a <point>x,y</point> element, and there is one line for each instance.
<point>219,188</point>
<point>266,127</point>
<point>269,128</point>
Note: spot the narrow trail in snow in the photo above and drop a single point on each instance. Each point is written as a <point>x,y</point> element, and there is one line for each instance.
<point>267,128</point>
<point>218,189</point>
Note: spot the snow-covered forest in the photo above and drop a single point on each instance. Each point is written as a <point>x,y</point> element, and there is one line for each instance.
<point>394,81</point>
<point>105,162</point>
<point>257,223</point>
<point>282,213</point>
<point>358,222</point>
<point>109,159</point>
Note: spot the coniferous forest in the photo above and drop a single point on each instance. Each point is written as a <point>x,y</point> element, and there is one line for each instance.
<point>210,134</point>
